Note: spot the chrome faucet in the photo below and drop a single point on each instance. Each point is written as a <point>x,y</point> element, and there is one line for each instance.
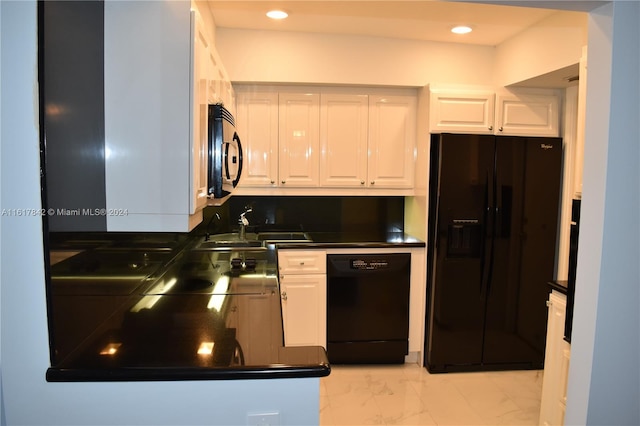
<point>243,221</point>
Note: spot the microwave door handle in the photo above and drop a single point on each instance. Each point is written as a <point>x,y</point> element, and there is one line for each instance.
<point>236,138</point>
<point>226,161</point>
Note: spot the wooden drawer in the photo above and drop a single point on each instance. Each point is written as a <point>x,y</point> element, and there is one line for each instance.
<point>302,261</point>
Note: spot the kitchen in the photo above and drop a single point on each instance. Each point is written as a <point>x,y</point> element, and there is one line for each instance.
<point>10,292</point>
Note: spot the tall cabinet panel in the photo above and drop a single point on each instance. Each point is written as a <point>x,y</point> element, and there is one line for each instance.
<point>299,131</point>
<point>392,135</point>
<point>257,119</point>
<point>343,140</point>
<point>147,114</point>
<point>201,72</point>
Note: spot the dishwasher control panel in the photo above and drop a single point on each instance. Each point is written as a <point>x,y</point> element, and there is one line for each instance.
<point>369,264</point>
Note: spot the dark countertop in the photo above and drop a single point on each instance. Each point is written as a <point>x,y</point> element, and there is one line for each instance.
<point>167,315</point>
<point>329,240</point>
<point>129,308</point>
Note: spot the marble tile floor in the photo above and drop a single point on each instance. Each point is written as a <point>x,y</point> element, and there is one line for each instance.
<point>409,395</point>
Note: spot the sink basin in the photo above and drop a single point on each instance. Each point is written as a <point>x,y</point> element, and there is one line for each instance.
<point>229,240</point>
<point>283,236</point>
<point>229,244</point>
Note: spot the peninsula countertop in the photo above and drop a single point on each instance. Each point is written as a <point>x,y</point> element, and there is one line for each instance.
<point>145,315</point>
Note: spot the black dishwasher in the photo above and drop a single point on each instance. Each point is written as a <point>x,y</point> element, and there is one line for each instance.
<point>368,308</point>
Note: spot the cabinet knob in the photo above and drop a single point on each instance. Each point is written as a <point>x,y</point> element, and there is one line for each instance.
<point>284,295</point>
<point>549,303</point>
<point>490,127</point>
<point>500,129</point>
<point>272,182</point>
<point>284,181</point>
<point>361,182</point>
<point>373,182</point>
<point>301,263</point>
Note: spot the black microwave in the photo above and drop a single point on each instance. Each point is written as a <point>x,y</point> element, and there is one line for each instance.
<point>224,151</point>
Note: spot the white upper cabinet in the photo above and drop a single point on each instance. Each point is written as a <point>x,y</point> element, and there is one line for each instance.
<point>527,114</point>
<point>299,139</point>
<point>335,141</point>
<point>257,122</point>
<point>515,112</point>
<point>343,140</point>
<point>461,112</point>
<point>392,135</point>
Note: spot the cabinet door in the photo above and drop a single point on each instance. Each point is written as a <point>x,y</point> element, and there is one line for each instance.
<point>200,96</point>
<point>258,326</point>
<point>257,122</point>
<point>147,116</point>
<point>527,115</point>
<point>553,382</point>
<point>299,132</point>
<point>392,135</point>
<point>304,309</point>
<point>343,140</point>
<point>458,112</point>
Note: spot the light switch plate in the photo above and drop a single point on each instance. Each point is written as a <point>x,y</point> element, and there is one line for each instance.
<point>263,419</point>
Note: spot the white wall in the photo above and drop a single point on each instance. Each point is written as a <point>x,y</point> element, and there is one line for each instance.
<point>26,397</point>
<point>2,418</point>
<point>272,56</point>
<point>604,375</point>
<point>552,44</point>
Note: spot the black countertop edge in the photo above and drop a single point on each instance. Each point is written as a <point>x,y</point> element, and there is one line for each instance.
<point>559,285</point>
<point>346,245</point>
<point>175,374</point>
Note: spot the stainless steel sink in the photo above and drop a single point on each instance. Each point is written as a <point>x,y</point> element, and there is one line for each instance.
<point>230,240</point>
<point>229,244</point>
<point>251,241</point>
<point>282,236</point>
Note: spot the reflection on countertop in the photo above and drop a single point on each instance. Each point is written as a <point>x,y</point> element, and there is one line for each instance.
<point>158,313</point>
<point>160,307</point>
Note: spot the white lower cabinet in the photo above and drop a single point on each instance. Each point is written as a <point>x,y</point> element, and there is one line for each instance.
<point>556,364</point>
<point>303,290</point>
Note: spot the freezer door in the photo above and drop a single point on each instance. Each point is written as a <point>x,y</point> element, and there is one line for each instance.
<point>527,195</point>
<point>460,196</point>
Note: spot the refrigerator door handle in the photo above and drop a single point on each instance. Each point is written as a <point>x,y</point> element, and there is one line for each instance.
<point>498,207</point>
<point>495,202</point>
<point>487,247</point>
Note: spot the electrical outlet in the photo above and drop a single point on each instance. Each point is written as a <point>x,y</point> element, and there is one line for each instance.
<point>263,419</point>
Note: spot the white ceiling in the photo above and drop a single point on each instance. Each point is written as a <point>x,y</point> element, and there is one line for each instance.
<point>418,19</point>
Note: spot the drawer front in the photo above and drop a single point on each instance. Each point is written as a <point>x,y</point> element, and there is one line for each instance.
<point>302,262</point>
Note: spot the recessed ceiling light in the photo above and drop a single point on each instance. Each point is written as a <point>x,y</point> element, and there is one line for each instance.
<point>461,29</point>
<point>277,14</point>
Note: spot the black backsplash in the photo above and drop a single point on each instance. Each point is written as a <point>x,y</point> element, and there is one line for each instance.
<point>310,214</point>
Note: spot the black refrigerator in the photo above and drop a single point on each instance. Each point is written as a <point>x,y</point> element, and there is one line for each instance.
<point>493,220</point>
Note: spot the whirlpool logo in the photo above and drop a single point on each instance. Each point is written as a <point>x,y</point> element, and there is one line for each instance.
<point>546,146</point>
